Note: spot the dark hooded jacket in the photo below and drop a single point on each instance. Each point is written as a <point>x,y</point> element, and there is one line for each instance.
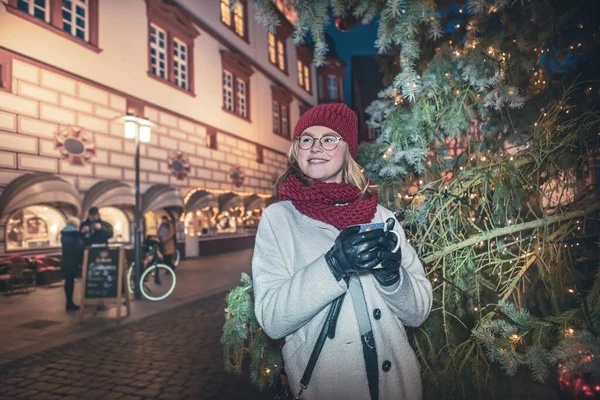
<point>72,249</point>
<point>94,236</point>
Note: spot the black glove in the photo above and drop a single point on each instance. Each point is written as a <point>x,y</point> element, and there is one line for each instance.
<point>389,274</point>
<point>354,252</point>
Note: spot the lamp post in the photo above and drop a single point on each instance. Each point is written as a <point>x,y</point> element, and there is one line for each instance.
<point>139,129</point>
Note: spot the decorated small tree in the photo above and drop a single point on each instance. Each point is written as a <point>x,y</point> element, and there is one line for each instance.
<point>489,139</point>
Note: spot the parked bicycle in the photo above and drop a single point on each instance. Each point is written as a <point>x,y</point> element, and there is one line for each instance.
<point>158,280</point>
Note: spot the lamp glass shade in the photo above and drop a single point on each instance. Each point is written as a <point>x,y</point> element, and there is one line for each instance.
<point>144,133</point>
<point>130,128</point>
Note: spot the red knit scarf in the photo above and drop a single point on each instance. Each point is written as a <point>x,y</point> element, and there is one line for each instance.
<point>319,200</point>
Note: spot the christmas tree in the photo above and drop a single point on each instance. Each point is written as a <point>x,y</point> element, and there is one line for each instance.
<point>489,136</point>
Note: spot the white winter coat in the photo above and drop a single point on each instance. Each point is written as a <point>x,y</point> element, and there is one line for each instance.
<point>294,287</point>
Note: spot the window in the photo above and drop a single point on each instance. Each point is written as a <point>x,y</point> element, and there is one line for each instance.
<point>236,84</point>
<point>38,8</point>
<point>304,76</point>
<point>281,111</point>
<point>332,87</point>
<point>330,78</point>
<point>34,227</point>
<point>211,139</point>
<point>73,19</point>
<point>260,154</point>
<point>235,98</point>
<point>277,51</point>
<point>180,59</point>
<point>118,219</point>
<point>228,90</point>
<point>236,20</point>
<point>241,98</point>
<point>304,54</point>
<point>276,118</point>
<point>158,51</point>
<point>171,45</point>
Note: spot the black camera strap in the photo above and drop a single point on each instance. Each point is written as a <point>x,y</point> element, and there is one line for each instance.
<point>328,330</point>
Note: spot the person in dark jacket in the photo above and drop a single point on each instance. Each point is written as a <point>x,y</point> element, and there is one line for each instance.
<point>94,230</point>
<point>72,257</point>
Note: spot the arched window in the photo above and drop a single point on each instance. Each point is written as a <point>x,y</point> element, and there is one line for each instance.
<point>118,219</point>
<point>34,227</point>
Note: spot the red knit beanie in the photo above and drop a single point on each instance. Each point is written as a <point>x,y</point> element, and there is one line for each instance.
<point>336,116</point>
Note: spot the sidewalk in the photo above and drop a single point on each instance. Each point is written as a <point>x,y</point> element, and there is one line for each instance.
<point>37,321</point>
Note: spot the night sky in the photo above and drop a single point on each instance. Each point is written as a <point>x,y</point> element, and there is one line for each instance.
<point>359,40</point>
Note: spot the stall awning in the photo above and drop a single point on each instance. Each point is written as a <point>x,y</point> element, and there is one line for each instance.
<point>108,193</point>
<point>200,200</point>
<point>254,202</point>
<point>161,196</point>
<point>230,200</point>
<point>31,189</point>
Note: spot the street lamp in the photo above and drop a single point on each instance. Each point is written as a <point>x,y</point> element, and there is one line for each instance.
<point>139,129</point>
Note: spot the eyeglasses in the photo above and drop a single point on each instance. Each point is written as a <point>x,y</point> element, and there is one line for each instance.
<point>328,142</point>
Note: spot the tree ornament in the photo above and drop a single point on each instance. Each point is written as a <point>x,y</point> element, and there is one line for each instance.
<point>345,23</point>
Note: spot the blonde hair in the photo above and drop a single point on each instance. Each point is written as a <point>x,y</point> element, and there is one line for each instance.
<point>73,221</point>
<point>352,173</point>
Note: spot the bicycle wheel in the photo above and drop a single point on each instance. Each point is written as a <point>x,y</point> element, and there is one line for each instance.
<point>158,282</point>
<point>177,257</point>
<point>131,278</point>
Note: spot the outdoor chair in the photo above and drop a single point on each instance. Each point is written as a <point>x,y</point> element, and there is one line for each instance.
<point>19,276</point>
<point>47,270</point>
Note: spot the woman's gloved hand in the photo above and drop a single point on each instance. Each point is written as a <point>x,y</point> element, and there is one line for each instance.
<point>354,252</point>
<point>390,260</point>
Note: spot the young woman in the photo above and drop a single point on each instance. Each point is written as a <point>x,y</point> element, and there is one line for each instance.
<point>309,252</point>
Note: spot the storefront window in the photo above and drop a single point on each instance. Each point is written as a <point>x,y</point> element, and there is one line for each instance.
<point>251,219</point>
<point>118,219</point>
<point>34,227</point>
<point>201,222</point>
<point>153,220</point>
<point>229,220</point>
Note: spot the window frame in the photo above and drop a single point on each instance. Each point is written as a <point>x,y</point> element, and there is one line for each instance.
<point>281,97</point>
<point>238,66</point>
<point>305,56</point>
<point>283,54</point>
<point>54,208</point>
<point>333,67</point>
<point>330,87</point>
<point>54,21</point>
<point>281,34</point>
<point>232,27</point>
<point>177,25</point>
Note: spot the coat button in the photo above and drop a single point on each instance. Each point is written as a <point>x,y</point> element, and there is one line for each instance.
<point>377,313</point>
<point>386,366</point>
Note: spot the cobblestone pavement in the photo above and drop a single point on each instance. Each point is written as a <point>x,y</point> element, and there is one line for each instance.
<point>173,355</point>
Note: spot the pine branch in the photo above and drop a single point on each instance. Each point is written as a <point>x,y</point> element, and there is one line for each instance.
<point>507,230</point>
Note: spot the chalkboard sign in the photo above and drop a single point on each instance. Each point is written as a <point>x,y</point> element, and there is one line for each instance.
<point>103,279</point>
<point>102,275</point>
